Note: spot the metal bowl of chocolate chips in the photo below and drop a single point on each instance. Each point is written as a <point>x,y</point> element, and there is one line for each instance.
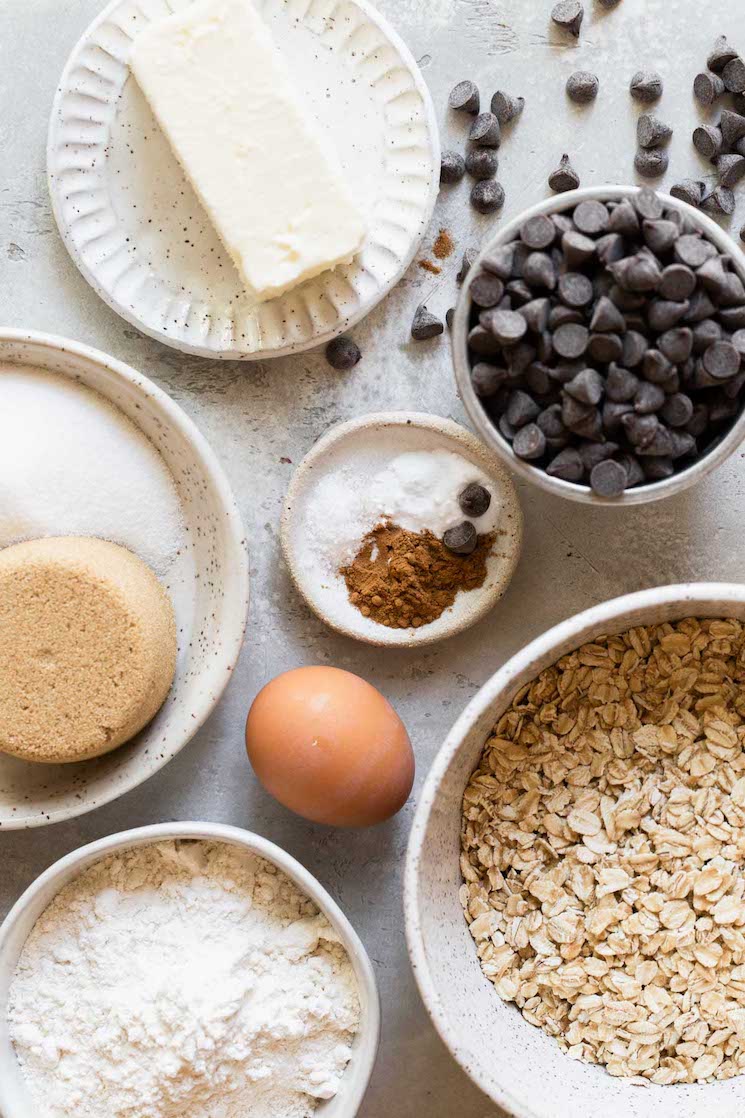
<point>599,345</point>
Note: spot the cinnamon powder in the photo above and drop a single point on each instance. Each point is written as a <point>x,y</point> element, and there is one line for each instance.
<point>406,579</point>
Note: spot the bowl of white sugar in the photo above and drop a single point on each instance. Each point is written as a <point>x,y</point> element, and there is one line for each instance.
<point>91,448</point>
<point>188,969</point>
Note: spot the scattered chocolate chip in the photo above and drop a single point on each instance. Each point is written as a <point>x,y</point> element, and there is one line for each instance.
<point>486,290</point>
<point>646,86</point>
<point>591,217</point>
<point>651,132</point>
<point>568,14</point>
<point>732,127</point>
<point>450,317</point>
<point>485,131</point>
<point>464,97</point>
<point>720,201</point>
<point>425,325</point>
<point>452,167</point>
<point>567,465</point>
<point>564,177</point>
<point>342,353</point>
<point>651,164</point>
<point>529,442</point>
<point>582,86</point>
<point>733,75</point>
<point>469,259</point>
<point>707,140</point>
<point>721,54</point>
<point>482,163</point>
<point>487,196</point>
<point>707,87</point>
<point>689,190</point>
<point>474,500</point>
<point>462,539</point>
<point>505,107</point>
<point>608,479</point>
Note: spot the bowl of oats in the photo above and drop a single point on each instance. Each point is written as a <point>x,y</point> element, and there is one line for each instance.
<point>574,889</point>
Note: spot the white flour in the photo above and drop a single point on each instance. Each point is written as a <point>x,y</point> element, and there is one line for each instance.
<point>182,980</point>
<point>71,464</point>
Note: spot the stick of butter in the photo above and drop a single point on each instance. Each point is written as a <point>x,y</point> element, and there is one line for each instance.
<point>258,160</point>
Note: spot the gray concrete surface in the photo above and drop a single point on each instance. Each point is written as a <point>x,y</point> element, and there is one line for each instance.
<point>261,418</point>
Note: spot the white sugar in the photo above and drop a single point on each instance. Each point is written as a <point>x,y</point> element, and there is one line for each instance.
<point>71,464</point>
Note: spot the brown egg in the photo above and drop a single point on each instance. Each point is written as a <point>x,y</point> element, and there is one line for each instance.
<point>328,746</point>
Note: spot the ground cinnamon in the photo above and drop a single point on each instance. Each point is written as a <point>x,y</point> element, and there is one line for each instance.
<point>406,579</point>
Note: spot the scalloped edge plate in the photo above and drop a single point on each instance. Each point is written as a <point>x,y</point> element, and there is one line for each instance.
<point>124,233</point>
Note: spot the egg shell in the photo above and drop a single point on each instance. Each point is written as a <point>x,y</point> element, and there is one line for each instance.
<point>330,747</point>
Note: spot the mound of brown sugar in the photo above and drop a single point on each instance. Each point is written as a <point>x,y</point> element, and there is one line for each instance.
<point>87,648</point>
<point>406,579</point>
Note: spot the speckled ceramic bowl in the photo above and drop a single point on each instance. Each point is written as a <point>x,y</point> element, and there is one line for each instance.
<point>208,585</point>
<point>517,1065</point>
<point>721,448</point>
<point>14,1099</point>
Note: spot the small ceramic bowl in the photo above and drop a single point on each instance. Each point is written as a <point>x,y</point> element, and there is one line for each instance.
<point>14,1096</point>
<point>517,1065</point>
<point>640,494</point>
<point>208,585</point>
<point>402,432</point>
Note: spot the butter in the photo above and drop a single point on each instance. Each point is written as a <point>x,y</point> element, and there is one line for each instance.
<point>262,167</point>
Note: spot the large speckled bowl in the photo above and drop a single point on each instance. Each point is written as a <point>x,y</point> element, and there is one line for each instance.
<point>208,586</point>
<point>517,1065</point>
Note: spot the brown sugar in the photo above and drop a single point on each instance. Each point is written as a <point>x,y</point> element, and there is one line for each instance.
<point>407,579</point>
<point>444,245</point>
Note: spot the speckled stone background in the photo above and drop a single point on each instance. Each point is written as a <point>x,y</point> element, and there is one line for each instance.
<point>261,419</point>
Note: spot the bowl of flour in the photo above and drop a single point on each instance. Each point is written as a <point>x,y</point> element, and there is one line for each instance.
<point>183,970</point>
<point>90,447</point>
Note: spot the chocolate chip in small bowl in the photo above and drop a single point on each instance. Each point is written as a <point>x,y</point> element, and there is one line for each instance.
<point>609,363</point>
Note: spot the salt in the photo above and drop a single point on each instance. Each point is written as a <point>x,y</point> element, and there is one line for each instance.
<point>71,464</point>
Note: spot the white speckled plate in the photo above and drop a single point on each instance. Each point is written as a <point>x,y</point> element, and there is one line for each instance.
<point>385,434</point>
<point>137,232</point>
<point>208,584</point>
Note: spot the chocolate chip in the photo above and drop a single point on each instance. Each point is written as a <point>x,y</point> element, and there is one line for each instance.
<point>577,249</point>
<point>452,167</point>
<point>462,539</point>
<point>649,204</point>
<point>450,317</point>
<point>342,353</point>
<point>575,290</point>
<point>539,270</point>
<point>567,465</point>
<point>733,318</point>
<point>582,86</point>
<point>732,127</point>
<point>551,423</point>
<point>529,442</point>
<point>483,342</point>
<point>713,276</point>
<point>486,290</point>
<point>660,445</point>
<point>474,500</point>
<point>500,261</point>
<point>658,469</point>
<point>536,314</point>
<point>605,348</point>
<point>606,317</point>
<point>693,251</point>
<point>485,131</point>
<point>651,132</point>
<point>507,326</point>
<point>733,75</point>
<point>646,86</point>
<point>621,384</point>
<point>464,97</point>
<point>699,421</point>
<point>521,409</point>
<point>738,341</point>
<point>581,419</point>
<point>677,410</point>
<point>637,273</point>
<point>564,177</point>
<point>655,366</point>
<point>707,140</point>
<point>663,314</point>
<point>689,190</point>
<point>487,379</point>
<point>707,87</point>
<point>634,471</point>
<point>519,293</point>
<point>651,164</point>
<point>613,414</point>
<point>721,360</point>
<point>505,107</point>
<point>649,398</point>
<point>425,325</point>
<point>608,479</point>
<point>469,259</point>
<point>568,14</point>
<point>677,282</point>
<point>487,196</point>
<point>624,219</point>
<point>683,444</point>
<point>676,345</point>
<point>721,54</point>
<point>635,345</point>
<point>592,453</point>
<point>570,340</point>
<point>591,217</point>
<point>538,232</point>
<point>482,163</point>
<point>587,387</point>
<point>538,379</point>
<point>660,235</point>
<point>720,201</point>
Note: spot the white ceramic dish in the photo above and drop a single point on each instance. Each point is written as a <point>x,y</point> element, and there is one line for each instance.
<point>14,1099</point>
<point>640,494</point>
<point>208,585</point>
<point>402,431</point>
<point>518,1066</point>
<point>136,231</point>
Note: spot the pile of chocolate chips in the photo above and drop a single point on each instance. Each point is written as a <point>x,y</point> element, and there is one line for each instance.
<point>607,343</point>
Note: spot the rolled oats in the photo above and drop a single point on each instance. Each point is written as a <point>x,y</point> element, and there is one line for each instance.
<point>602,845</point>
